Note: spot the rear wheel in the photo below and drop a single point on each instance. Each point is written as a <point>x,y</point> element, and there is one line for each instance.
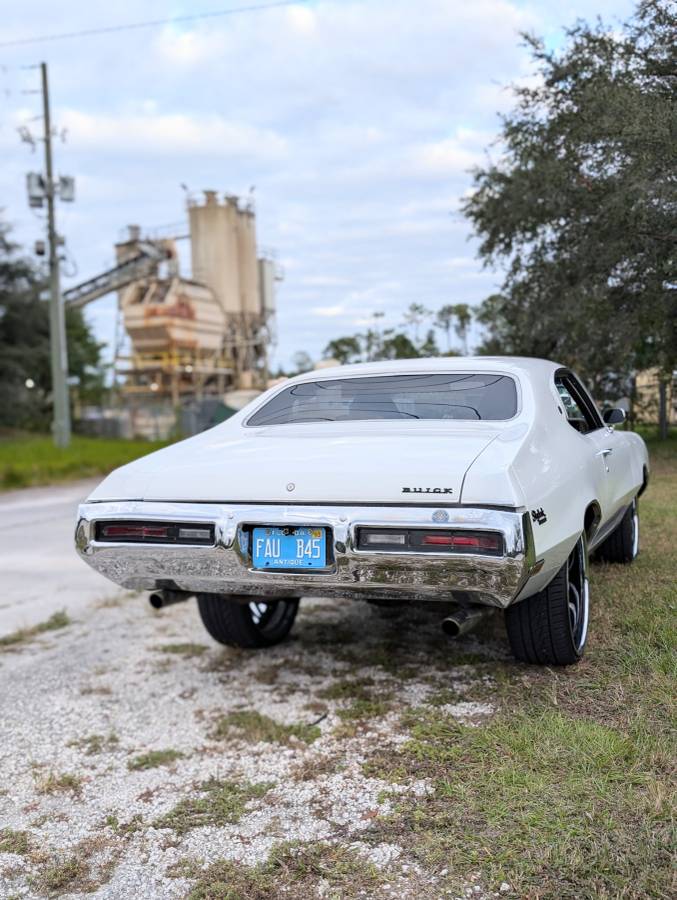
<point>246,623</point>
<point>551,627</point>
<point>622,545</point>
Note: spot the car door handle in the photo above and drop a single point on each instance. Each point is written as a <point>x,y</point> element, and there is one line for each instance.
<point>606,452</point>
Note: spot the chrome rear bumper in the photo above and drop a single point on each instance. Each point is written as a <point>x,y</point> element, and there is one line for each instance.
<point>226,566</point>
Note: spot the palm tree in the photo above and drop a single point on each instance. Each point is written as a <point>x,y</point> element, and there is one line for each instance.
<point>444,320</point>
<point>463,317</point>
<point>414,316</point>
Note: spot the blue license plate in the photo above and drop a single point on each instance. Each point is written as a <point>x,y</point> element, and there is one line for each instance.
<point>289,548</point>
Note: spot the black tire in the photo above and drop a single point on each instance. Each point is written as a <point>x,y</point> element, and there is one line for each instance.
<point>246,623</point>
<point>551,627</point>
<point>622,545</point>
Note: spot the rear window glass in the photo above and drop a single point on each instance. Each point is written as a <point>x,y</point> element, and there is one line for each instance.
<point>459,396</point>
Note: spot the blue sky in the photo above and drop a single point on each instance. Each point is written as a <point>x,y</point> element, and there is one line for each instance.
<point>356,120</point>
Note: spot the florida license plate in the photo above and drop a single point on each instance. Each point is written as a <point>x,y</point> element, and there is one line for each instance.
<point>289,548</point>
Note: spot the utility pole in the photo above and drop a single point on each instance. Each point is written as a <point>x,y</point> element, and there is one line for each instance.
<point>61,424</point>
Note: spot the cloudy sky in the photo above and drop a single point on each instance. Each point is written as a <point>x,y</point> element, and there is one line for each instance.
<point>356,120</point>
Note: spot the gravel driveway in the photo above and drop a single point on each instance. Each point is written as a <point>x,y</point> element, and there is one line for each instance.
<point>135,752</point>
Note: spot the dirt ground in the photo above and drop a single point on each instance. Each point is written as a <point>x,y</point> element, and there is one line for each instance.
<point>135,753</point>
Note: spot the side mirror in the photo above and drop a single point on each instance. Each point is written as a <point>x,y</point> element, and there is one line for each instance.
<point>614,416</point>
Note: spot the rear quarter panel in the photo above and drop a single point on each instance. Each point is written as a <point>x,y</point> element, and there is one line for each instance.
<point>541,465</point>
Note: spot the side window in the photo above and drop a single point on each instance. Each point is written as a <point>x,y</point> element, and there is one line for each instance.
<point>577,407</point>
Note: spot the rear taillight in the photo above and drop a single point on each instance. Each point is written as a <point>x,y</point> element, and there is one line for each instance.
<point>133,532</point>
<point>154,532</point>
<point>420,540</point>
<point>480,542</point>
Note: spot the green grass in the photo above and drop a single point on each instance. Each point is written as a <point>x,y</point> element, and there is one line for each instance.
<point>252,726</point>
<point>154,758</point>
<point>12,841</point>
<point>61,784</point>
<point>55,622</point>
<point>33,459</point>
<point>567,792</point>
<point>220,803</point>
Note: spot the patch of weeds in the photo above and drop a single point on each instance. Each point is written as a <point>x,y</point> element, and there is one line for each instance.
<point>444,697</point>
<point>369,708</point>
<point>267,674</point>
<point>12,841</point>
<point>124,828</point>
<point>116,600</point>
<point>55,622</point>
<point>59,877</point>
<point>50,817</point>
<point>221,803</point>
<point>254,727</point>
<point>315,766</point>
<point>60,784</point>
<point>292,872</point>
<point>78,873</point>
<point>103,690</point>
<point>154,758</point>
<point>223,661</point>
<point>95,743</point>
<point>396,659</point>
<point>187,649</point>
<point>366,704</point>
<point>352,689</point>
<point>325,635</point>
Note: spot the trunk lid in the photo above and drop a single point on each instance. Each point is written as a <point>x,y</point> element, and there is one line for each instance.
<point>366,462</point>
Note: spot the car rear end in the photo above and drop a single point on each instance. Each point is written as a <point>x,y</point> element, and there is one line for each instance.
<point>404,552</point>
<point>349,486</point>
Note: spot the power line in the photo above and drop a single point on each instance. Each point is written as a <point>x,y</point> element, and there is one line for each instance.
<point>153,23</point>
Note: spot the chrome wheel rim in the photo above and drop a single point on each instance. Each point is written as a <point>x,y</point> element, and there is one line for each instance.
<point>266,615</point>
<point>635,530</point>
<point>578,596</point>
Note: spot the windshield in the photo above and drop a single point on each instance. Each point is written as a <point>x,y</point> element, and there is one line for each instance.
<point>444,396</point>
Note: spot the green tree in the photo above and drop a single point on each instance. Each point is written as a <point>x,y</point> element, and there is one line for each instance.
<point>458,316</point>
<point>398,346</point>
<point>344,350</point>
<point>580,208</point>
<point>25,372</point>
<point>429,346</point>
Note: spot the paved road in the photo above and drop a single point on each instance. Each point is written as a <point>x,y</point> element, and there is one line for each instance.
<point>41,572</point>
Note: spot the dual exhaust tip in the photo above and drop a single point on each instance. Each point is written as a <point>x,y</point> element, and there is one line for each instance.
<point>458,623</point>
<point>162,598</point>
<point>464,620</point>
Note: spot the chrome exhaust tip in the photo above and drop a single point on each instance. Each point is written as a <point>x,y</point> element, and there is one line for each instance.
<point>464,620</point>
<point>160,599</point>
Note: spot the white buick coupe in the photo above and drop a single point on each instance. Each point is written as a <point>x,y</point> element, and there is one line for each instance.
<point>479,482</point>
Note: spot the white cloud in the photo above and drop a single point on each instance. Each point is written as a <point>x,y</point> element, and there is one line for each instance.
<point>328,312</point>
<point>170,135</point>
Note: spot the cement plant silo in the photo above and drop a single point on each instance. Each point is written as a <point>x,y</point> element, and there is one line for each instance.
<point>249,276</point>
<point>223,252</point>
<point>224,257</point>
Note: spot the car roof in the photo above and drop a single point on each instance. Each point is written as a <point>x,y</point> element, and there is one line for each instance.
<point>510,365</point>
